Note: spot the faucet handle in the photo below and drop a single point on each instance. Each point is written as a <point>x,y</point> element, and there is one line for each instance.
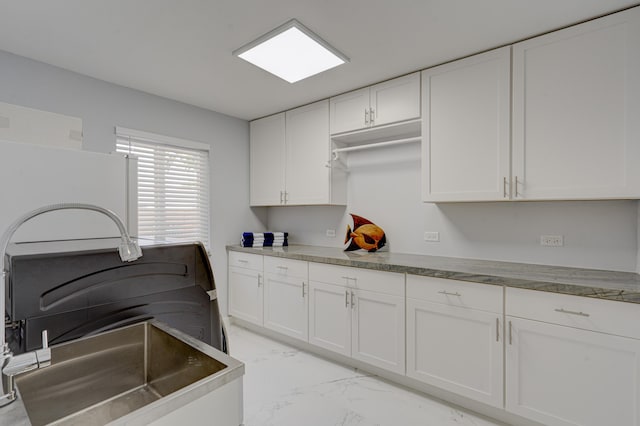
<point>45,339</point>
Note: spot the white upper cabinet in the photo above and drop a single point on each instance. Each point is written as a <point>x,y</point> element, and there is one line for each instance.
<point>389,102</point>
<point>267,160</point>
<point>289,155</point>
<point>465,128</point>
<point>307,178</point>
<point>576,103</point>
<point>350,111</point>
<point>571,97</point>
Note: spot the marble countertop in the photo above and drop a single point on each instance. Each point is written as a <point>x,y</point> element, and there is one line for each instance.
<point>601,284</point>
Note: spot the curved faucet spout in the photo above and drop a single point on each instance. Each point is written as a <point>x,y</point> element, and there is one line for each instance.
<point>129,251</point>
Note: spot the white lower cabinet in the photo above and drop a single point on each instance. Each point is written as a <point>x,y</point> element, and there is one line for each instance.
<point>358,313</point>
<point>564,373</point>
<point>245,287</point>
<point>330,317</point>
<point>555,359</point>
<point>455,338</point>
<point>285,297</point>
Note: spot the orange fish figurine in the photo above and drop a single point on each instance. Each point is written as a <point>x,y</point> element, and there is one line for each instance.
<point>366,235</point>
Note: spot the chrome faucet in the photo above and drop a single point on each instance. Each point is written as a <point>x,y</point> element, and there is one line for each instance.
<point>11,365</point>
<point>18,364</point>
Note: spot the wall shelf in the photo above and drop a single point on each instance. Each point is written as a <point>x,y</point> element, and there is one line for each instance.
<point>402,130</point>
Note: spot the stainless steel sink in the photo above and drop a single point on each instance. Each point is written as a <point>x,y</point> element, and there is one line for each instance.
<point>147,369</point>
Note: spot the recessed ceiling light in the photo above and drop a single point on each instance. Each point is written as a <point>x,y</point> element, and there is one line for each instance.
<point>291,52</point>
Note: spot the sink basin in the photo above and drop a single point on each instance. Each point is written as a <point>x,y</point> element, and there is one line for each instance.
<point>136,374</point>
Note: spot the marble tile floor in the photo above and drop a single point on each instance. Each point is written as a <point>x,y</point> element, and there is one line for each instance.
<point>284,386</point>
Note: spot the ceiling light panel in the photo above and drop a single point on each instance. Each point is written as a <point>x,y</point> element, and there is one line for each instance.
<point>291,52</point>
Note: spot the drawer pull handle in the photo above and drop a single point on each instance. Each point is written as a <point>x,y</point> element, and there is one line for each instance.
<point>346,299</point>
<point>564,311</point>
<point>510,333</point>
<point>504,187</point>
<point>348,278</point>
<point>450,294</point>
<point>242,261</point>
<point>352,302</point>
<point>282,267</point>
<point>497,329</point>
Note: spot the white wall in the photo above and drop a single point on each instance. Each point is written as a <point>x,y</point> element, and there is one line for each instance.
<point>102,105</point>
<point>384,186</point>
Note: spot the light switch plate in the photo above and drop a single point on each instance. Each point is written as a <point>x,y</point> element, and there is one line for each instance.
<point>551,240</point>
<point>432,236</point>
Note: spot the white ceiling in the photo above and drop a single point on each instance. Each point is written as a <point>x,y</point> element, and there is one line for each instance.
<point>181,49</point>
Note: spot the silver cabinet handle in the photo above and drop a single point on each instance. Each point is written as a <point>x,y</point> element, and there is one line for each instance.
<point>282,267</point>
<point>510,333</point>
<point>504,187</point>
<point>366,116</point>
<point>372,116</point>
<point>348,278</point>
<point>564,311</point>
<point>515,186</point>
<point>259,280</point>
<point>281,201</point>
<point>497,329</point>
<point>242,261</point>
<point>286,197</point>
<point>346,298</point>
<point>450,294</point>
<point>352,302</point>
<point>303,289</point>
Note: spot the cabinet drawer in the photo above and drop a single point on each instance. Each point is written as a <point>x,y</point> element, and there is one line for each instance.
<point>365,279</point>
<point>485,297</point>
<point>606,316</point>
<point>285,267</point>
<point>245,260</point>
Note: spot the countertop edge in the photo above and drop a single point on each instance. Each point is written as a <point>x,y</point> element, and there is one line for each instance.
<point>558,284</point>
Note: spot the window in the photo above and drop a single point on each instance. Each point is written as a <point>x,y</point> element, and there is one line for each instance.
<point>173,186</point>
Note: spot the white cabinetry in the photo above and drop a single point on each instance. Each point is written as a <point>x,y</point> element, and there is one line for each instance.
<point>285,296</point>
<point>455,337</point>
<point>572,93</point>
<point>245,286</point>
<point>384,103</point>
<point>288,159</point>
<point>575,93</point>
<point>267,160</point>
<point>572,360</point>
<point>358,313</point>
<point>465,128</point>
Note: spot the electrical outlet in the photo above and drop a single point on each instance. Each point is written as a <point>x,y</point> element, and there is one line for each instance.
<point>551,240</point>
<point>433,237</point>
<point>331,233</point>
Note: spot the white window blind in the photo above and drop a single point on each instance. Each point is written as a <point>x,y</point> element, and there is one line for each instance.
<point>173,186</point>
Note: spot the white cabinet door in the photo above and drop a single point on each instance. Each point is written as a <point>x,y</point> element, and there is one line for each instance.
<point>330,317</point>
<point>576,103</point>
<point>457,349</point>
<point>465,129</point>
<point>378,330</point>
<point>384,103</point>
<point>395,100</point>
<point>267,160</point>
<point>245,294</point>
<point>350,111</point>
<point>285,305</point>
<point>308,150</point>
<point>560,375</point>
